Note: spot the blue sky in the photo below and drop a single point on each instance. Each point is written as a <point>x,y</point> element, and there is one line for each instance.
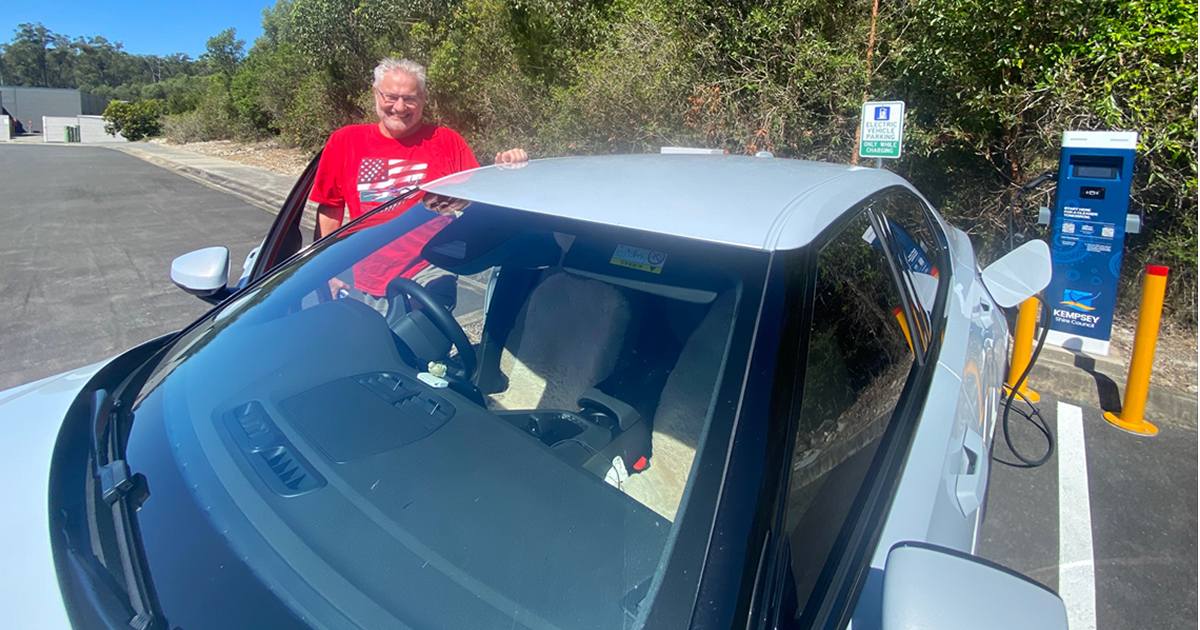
<point>144,26</point>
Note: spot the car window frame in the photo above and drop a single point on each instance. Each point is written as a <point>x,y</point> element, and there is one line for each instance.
<point>909,305</point>
<point>844,574</point>
<point>681,578</point>
<point>271,252</point>
<point>940,257</point>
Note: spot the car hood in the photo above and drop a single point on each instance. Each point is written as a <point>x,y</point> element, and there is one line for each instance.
<point>30,417</point>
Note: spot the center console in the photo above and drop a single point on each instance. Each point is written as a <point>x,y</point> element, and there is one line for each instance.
<point>594,437</point>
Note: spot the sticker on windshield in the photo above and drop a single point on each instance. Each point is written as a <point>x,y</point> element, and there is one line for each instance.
<point>646,260</point>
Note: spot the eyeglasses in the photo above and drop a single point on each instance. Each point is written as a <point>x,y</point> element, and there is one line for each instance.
<point>391,99</point>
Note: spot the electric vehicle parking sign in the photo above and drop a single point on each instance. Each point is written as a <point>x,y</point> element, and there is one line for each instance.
<point>881,132</point>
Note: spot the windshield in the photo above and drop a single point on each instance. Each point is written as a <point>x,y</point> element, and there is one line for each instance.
<point>452,415</point>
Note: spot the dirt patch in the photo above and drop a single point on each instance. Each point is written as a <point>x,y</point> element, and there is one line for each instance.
<point>1174,357</point>
<point>268,154</point>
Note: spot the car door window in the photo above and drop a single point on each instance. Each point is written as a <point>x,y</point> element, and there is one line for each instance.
<point>915,244</point>
<point>858,361</point>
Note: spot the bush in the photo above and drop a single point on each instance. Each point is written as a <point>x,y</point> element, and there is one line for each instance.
<point>630,95</point>
<point>990,88</point>
<point>187,127</point>
<point>179,94</point>
<point>213,119</point>
<point>135,121</point>
<point>312,116</point>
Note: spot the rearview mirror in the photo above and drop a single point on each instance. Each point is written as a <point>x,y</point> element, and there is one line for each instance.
<point>204,273</point>
<point>925,586</point>
<point>1019,275</point>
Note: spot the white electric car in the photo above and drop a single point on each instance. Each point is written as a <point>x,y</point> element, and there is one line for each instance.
<point>658,391</point>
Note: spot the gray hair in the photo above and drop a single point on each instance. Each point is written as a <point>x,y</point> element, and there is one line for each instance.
<point>407,66</point>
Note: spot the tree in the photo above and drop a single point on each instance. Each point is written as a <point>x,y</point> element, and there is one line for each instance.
<point>97,63</point>
<point>992,86</point>
<point>27,58</point>
<point>223,52</point>
<point>135,121</point>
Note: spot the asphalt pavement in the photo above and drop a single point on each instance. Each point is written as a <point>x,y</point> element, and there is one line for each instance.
<point>1109,522</point>
<point>85,255</point>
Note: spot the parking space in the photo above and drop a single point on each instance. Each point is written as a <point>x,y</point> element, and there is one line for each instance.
<point>88,242</point>
<point>1109,521</point>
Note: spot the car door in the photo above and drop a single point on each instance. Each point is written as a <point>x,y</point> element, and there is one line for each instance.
<point>287,234</point>
<point>918,244</point>
<point>971,357</point>
<point>868,350</point>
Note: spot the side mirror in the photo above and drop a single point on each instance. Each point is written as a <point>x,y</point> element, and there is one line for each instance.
<point>1019,275</point>
<point>925,586</point>
<point>204,273</point>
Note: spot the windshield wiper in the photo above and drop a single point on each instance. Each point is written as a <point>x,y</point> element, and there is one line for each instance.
<point>117,486</point>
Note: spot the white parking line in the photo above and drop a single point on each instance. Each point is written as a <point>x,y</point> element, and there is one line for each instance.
<point>1076,563</point>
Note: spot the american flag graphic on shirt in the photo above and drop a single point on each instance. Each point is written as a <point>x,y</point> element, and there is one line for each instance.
<point>382,179</point>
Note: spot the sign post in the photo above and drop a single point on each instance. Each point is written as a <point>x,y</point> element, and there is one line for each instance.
<point>881,130</point>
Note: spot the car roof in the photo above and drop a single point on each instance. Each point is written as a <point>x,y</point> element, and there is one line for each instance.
<point>757,202</point>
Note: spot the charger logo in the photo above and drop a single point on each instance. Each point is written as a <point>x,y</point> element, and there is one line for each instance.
<point>1079,300</point>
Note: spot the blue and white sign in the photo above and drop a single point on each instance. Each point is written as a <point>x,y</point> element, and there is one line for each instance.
<point>1088,236</point>
<point>881,131</point>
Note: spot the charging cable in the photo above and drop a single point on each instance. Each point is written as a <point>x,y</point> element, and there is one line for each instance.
<point>1032,415</point>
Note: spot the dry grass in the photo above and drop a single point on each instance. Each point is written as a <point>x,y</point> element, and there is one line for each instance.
<point>267,154</point>
<point>1174,357</point>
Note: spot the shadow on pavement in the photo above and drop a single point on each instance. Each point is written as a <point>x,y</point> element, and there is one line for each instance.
<point>1106,389</point>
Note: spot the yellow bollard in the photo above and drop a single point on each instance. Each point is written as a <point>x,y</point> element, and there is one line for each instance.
<point>1023,348</point>
<point>898,313</point>
<point>1137,385</point>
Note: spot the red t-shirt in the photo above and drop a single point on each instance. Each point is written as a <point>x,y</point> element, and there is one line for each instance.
<point>361,168</point>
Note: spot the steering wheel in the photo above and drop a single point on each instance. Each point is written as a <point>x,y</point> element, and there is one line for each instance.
<point>441,318</point>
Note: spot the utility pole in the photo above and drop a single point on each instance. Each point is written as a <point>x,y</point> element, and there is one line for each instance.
<point>870,71</point>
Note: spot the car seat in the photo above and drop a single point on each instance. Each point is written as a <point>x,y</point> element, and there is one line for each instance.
<point>682,411</point>
<point>566,339</point>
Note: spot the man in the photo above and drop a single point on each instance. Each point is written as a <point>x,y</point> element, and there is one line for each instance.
<point>364,166</point>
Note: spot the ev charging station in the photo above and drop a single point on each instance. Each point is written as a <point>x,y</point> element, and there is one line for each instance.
<point>1088,227</point>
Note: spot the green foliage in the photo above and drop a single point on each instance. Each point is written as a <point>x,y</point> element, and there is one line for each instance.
<point>990,87</point>
<point>786,77</point>
<point>312,114</point>
<point>39,57</point>
<point>179,94</point>
<point>223,52</point>
<point>630,94</point>
<point>477,80</point>
<point>136,121</point>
